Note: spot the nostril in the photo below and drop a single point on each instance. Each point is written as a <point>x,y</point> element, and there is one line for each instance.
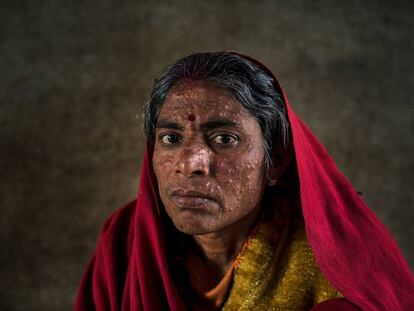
<point>193,173</point>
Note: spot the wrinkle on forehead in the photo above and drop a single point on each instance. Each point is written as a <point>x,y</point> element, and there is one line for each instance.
<point>208,90</point>
<point>197,97</point>
<point>196,87</point>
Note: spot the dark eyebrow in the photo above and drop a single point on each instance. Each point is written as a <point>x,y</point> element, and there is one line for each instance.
<point>220,122</point>
<point>162,123</point>
<point>209,125</point>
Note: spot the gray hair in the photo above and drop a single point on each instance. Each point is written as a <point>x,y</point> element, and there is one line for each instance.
<point>248,83</point>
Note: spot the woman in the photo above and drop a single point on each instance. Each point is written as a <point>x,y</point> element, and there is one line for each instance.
<point>240,208</point>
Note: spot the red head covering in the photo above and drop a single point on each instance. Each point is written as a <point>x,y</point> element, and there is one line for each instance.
<point>355,252</point>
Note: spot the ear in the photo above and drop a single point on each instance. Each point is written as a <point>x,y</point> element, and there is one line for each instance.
<point>281,160</point>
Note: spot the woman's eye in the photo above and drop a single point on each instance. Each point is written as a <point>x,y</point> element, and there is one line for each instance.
<point>224,139</point>
<point>169,139</point>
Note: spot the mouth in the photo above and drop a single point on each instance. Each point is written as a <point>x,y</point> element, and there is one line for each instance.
<point>190,199</point>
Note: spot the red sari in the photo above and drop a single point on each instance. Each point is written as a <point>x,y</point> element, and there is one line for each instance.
<point>354,250</point>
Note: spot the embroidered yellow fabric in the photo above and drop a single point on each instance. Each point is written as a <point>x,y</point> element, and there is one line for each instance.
<point>276,270</point>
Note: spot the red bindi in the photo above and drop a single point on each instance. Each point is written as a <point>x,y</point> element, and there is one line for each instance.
<point>191,117</point>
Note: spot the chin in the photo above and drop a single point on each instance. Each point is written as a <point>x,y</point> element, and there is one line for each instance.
<point>194,228</point>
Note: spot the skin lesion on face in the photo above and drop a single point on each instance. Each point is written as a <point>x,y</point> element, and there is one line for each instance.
<point>191,117</point>
<point>208,159</point>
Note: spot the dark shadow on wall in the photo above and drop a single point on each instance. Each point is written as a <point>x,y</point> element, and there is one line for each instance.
<point>76,74</point>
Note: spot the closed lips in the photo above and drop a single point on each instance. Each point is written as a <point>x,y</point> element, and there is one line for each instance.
<point>190,198</point>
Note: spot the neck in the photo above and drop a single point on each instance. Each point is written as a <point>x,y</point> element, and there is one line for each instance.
<point>219,249</point>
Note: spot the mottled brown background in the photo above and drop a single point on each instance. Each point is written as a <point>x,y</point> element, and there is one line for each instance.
<point>75,74</point>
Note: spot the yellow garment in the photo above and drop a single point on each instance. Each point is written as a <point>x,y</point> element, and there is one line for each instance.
<point>276,269</point>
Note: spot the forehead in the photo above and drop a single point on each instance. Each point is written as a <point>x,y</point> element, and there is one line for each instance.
<point>204,99</point>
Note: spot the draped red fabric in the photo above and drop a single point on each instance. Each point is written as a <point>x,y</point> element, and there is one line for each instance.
<point>354,250</point>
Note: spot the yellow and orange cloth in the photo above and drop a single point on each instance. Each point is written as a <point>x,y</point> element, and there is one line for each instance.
<point>275,270</point>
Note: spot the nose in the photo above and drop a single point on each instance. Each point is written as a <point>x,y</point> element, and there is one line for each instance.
<point>194,160</point>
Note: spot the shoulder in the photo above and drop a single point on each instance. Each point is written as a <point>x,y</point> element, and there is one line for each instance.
<point>120,218</point>
<point>117,231</point>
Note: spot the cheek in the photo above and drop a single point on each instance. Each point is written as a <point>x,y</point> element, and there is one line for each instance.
<point>241,179</point>
<point>162,165</point>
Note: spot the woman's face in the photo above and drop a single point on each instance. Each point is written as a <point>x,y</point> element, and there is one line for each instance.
<point>208,158</point>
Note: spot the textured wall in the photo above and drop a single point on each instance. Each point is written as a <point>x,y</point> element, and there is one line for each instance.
<point>76,73</point>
